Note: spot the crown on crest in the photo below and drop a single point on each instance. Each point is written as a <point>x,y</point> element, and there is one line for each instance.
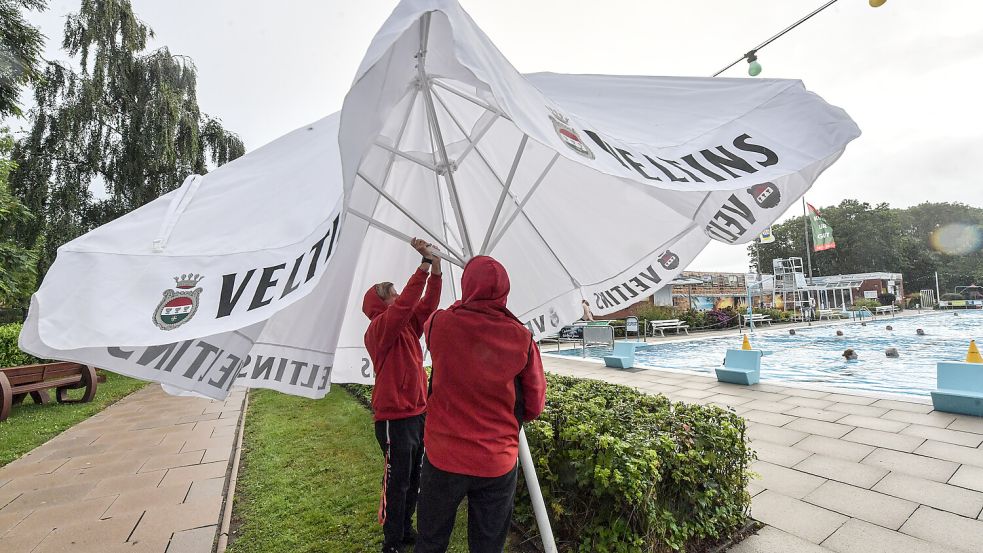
<point>559,116</point>
<point>187,281</point>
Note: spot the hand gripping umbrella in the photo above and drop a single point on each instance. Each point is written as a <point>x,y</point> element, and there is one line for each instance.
<point>584,186</point>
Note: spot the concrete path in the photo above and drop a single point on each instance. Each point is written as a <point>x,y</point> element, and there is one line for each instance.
<point>840,472</point>
<point>147,474</point>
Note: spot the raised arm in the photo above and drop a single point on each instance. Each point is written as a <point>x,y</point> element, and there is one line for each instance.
<point>431,298</point>
<point>401,311</point>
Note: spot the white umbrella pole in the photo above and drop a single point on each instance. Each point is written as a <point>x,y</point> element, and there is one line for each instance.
<point>535,494</point>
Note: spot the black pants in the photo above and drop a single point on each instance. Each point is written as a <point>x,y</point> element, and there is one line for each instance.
<point>402,445</point>
<point>490,502</point>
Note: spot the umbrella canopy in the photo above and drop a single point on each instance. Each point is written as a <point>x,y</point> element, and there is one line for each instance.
<point>584,186</point>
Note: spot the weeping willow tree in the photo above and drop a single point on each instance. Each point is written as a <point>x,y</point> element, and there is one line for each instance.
<point>20,52</point>
<point>125,117</point>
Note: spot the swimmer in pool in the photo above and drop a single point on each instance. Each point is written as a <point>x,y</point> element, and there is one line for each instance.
<point>849,354</point>
<point>892,353</point>
<point>889,327</point>
<point>919,332</point>
<point>839,333</point>
<point>791,332</point>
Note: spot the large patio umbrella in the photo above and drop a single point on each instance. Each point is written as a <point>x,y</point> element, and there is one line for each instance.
<point>584,186</point>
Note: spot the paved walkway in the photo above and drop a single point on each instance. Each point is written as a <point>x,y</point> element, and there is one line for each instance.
<point>147,474</point>
<point>840,472</point>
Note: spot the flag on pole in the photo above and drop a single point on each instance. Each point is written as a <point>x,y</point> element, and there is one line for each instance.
<point>822,233</point>
<point>766,237</point>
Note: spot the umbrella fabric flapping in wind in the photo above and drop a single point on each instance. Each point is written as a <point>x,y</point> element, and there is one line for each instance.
<point>589,187</point>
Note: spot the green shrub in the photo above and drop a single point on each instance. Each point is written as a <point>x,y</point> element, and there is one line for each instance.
<point>624,471</point>
<point>777,315</point>
<point>695,319</point>
<point>951,297</point>
<point>869,303</point>
<point>656,312</point>
<point>10,354</point>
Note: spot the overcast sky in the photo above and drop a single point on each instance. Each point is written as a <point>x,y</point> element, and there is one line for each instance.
<point>907,72</point>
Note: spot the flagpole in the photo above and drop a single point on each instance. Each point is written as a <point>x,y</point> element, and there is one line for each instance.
<point>805,227</point>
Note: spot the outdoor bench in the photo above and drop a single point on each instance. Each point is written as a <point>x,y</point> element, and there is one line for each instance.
<point>960,388</point>
<point>757,318</point>
<point>36,380</point>
<point>668,324</point>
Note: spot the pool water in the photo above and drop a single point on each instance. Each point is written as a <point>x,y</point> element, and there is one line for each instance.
<point>814,355</point>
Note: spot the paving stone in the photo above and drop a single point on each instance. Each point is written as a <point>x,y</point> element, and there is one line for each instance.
<point>198,540</point>
<point>959,533</point>
<point>138,501</point>
<point>808,402</point>
<point>16,470</point>
<point>8,521</point>
<point>98,535</point>
<point>802,392</point>
<point>842,449</point>
<point>849,472</point>
<point>695,394</point>
<point>857,409</point>
<point>162,521</point>
<point>27,541</point>
<point>786,481</point>
<point>821,428</point>
<point>773,540</point>
<point>770,406</point>
<point>873,507</point>
<point>817,414</point>
<point>935,418</point>
<point>801,519</point>
<point>883,439</point>
<point>774,434</point>
<point>913,465</point>
<point>208,443</point>
<point>759,395</point>
<point>857,536</point>
<point>779,454</point>
<point>182,475</point>
<point>874,423</point>
<point>935,494</point>
<point>216,454</point>
<point>968,476</point>
<point>767,417</point>
<point>951,452</point>
<point>155,464</point>
<point>904,406</point>
<point>128,483</point>
<point>205,488</point>
<point>49,518</point>
<point>51,496</point>
<point>967,439</point>
<point>967,424</point>
<point>848,398</point>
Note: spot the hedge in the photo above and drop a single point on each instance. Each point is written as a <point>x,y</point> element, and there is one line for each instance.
<point>624,471</point>
<point>10,354</point>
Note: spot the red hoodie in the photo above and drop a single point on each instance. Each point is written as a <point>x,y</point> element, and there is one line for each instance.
<point>480,353</point>
<point>393,341</point>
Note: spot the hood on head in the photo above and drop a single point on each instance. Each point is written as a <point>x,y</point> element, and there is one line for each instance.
<point>485,279</point>
<point>372,304</point>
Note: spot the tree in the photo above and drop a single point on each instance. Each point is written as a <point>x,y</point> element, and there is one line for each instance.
<point>129,118</point>
<point>17,279</point>
<point>20,52</point>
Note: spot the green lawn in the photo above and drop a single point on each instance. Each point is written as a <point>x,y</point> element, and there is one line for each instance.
<point>310,477</point>
<point>31,425</point>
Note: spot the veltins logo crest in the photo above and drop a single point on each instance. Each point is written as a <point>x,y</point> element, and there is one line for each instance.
<point>669,260</point>
<point>568,134</point>
<point>765,194</point>
<point>554,318</point>
<point>178,306</point>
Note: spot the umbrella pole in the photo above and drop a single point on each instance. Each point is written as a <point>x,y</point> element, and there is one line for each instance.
<point>535,494</point>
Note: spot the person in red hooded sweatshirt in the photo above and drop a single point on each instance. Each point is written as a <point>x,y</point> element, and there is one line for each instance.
<point>487,379</point>
<point>399,397</point>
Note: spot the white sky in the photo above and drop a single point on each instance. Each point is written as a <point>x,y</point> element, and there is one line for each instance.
<point>907,72</point>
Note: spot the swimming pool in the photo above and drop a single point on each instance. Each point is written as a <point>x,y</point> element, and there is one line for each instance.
<point>814,355</point>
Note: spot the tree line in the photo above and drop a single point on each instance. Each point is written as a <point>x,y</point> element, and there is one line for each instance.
<point>916,241</point>
<point>117,113</point>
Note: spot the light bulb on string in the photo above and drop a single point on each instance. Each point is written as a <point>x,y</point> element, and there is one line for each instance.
<point>753,68</point>
<point>876,3</point>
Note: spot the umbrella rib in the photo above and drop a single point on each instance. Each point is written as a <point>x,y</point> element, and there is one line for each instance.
<point>472,140</point>
<point>405,155</point>
<point>505,192</point>
<point>396,234</point>
<point>522,205</point>
<point>487,164</point>
<point>470,99</point>
<point>402,209</point>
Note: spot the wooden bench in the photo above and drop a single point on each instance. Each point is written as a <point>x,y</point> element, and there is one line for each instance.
<point>668,324</point>
<point>757,318</point>
<point>35,380</point>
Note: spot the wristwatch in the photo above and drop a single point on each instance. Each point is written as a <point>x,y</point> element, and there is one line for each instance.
<point>427,260</point>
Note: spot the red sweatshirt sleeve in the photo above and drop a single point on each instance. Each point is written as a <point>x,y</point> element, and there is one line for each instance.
<point>533,382</point>
<point>400,312</point>
<point>429,303</point>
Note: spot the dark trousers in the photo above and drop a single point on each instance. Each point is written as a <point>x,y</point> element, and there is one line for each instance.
<point>402,446</point>
<point>490,502</point>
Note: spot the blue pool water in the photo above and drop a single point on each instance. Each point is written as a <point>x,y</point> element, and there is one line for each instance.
<point>814,355</point>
